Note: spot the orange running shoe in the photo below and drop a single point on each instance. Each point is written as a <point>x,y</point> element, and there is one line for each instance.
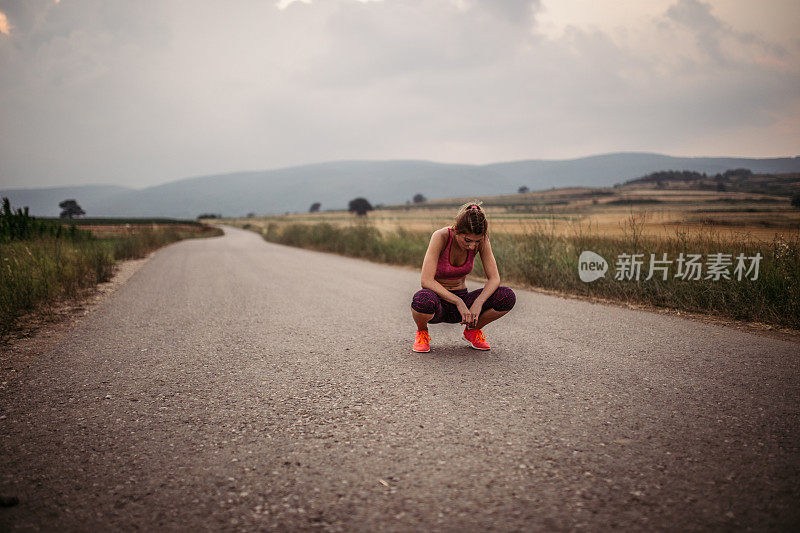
<point>476,338</point>
<point>422,342</point>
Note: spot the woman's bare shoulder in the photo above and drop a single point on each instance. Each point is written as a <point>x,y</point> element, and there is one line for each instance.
<point>438,240</point>
<point>441,233</point>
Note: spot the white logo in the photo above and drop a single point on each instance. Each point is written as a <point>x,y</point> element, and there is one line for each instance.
<point>591,266</point>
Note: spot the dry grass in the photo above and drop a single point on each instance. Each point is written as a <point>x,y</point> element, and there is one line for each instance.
<point>546,259</point>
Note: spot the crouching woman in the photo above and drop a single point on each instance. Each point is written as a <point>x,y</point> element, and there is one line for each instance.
<point>444,296</point>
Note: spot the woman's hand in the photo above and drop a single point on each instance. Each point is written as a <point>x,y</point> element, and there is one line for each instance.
<point>467,317</point>
<point>475,310</point>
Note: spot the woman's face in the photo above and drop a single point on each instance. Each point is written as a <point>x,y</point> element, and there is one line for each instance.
<point>469,241</point>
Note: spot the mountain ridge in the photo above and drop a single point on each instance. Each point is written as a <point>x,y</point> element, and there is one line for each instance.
<point>334,183</point>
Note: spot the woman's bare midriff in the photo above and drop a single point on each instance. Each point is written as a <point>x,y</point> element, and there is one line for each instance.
<point>452,284</point>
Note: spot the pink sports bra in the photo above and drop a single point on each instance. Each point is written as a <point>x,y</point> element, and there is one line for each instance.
<point>444,269</point>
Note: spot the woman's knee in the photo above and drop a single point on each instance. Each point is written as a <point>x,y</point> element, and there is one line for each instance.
<point>503,299</point>
<point>425,301</point>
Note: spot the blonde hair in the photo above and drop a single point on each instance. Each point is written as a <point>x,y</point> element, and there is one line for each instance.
<point>471,219</point>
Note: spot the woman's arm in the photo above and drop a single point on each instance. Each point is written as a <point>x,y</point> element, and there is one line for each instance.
<point>492,275</point>
<point>435,247</point>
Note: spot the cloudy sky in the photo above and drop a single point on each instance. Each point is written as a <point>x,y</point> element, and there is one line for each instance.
<point>147,91</point>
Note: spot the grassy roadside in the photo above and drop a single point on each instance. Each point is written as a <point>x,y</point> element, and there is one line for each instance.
<point>42,261</point>
<point>541,257</point>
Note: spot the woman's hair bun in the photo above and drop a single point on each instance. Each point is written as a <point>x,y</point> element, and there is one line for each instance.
<point>470,219</point>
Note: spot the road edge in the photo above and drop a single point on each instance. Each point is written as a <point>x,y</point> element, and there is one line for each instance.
<point>44,328</point>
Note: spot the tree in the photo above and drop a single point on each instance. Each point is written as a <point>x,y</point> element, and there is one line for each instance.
<point>796,200</point>
<point>419,198</point>
<point>70,208</point>
<point>359,206</point>
<point>523,189</point>
<point>314,207</point>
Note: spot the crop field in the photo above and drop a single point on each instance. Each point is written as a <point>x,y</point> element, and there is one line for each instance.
<point>537,238</point>
<point>604,212</point>
<point>123,230</point>
<point>109,221</point>
<point>122,227</point>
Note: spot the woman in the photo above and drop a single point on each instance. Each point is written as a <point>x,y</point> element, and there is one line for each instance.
<point>444,296</point>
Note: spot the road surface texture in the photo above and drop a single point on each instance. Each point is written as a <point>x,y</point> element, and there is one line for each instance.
<point>234,384</point>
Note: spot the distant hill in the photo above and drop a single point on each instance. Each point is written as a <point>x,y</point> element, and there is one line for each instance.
<point>381,182</point>
<point>608,169</point>
<point>734,180</point>
<point>44,202</point>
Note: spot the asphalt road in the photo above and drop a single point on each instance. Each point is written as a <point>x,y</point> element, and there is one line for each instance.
<point>236,384</point>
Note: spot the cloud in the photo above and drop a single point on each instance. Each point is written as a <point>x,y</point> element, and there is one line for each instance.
<point>716,41</point>
<point>149,91</point>
<point>696,15</point>
<point>368,42</point>
<point>519,11</point>
<point>283,4</point>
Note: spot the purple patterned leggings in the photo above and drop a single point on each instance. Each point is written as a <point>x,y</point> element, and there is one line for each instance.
<point>428,302</point>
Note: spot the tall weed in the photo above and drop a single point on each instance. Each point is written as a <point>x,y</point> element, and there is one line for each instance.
<point>45,267</point>
<point>544,257</point>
